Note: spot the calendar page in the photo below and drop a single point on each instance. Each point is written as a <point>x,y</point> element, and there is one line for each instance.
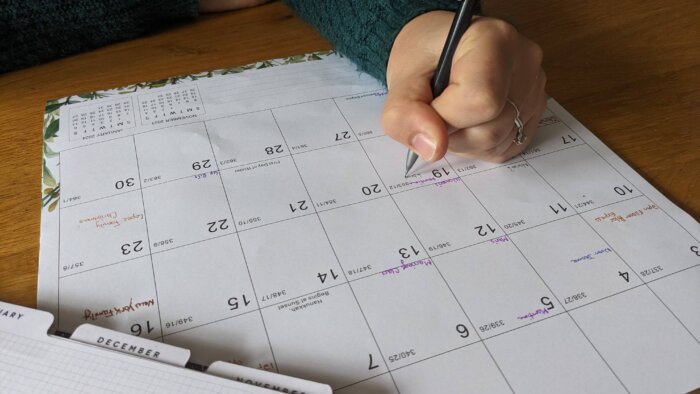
<point>259,215</point>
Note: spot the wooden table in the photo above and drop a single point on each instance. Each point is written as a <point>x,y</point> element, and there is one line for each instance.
<point>629,70</point>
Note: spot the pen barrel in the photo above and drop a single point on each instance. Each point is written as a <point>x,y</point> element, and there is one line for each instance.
<point>460,24</point>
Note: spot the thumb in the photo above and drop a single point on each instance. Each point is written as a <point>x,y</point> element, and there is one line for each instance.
<point>409,119</point>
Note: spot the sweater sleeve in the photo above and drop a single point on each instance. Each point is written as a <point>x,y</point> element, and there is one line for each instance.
<point>364,30</point>
<point>36,31</point>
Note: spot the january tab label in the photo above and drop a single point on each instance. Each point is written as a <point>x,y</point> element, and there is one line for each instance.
<point>23,321</point>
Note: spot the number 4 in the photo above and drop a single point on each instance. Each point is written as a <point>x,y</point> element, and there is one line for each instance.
<point>625,275</point>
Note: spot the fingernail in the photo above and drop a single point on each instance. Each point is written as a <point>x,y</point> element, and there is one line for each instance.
<point>423,146</point>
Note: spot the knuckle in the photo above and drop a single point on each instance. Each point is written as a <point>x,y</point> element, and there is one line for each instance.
<point>495,156</point>
<point>391,119</point>
<point>536,52</point>
<point>505,29</point>
<point>485,102</point>
<point>492,140</point>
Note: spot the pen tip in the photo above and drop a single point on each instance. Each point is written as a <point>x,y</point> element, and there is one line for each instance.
<point>411,159</point>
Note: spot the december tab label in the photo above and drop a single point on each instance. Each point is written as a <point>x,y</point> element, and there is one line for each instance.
<point>124,343</point>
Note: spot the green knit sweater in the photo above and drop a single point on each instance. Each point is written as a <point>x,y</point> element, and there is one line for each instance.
<point>36,31</point>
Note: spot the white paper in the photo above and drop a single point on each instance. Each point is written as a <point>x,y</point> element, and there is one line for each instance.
<point>33,362</point>
<point>263,218</point>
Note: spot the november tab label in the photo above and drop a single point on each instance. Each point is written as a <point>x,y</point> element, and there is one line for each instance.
<point>129,344</point>
<point>265,379</point>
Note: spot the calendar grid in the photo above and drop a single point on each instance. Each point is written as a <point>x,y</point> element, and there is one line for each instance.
<point>333,208</point>
<point>616,253</point>
<point>613,249</point>
<point>426,251</point>
<point>571,309</point>
<point>567,311</point>
<point>240,245</point>
<point>672,312</point>
<point>540,276</point>
<point>390,195</point>
<point>537,272</point>
<point>148,239</point>
<point>326,210</point>
<point>357,302</point>
<point>637,188</point>
<point>340,206</point>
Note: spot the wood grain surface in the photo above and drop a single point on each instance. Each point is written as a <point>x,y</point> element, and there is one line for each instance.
<point>629,70</point>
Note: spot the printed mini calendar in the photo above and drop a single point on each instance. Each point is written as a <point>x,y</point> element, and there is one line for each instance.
<point>259,215</point>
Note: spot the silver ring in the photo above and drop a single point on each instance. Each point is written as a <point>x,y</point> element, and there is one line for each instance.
<point>520,136</point>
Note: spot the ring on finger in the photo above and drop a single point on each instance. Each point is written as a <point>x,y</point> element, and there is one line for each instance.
<point>520,136</point>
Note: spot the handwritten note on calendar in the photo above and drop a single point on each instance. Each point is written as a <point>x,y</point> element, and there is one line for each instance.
<point>259,215</point>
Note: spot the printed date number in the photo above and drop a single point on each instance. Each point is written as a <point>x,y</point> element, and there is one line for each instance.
<point>492,325</point>
<point>402,355</point>
<point>574,298</point>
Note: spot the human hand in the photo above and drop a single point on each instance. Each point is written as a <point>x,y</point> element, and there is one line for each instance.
<point>227,5</point>
<point>492,63</point>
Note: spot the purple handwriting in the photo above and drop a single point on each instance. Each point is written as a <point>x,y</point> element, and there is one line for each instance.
<point>404,266</point>
<point>531,315</point>
<point>446,181</point>
<point>426,180</point>
<point>409,183</point>
<point>500,239</point>
<point>591,256</point>
<point>204,174</point>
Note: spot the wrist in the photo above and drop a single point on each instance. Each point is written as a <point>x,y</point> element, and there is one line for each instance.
<point>419,42</point>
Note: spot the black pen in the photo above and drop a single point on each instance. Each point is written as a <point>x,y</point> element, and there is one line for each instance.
<point>441,78</point>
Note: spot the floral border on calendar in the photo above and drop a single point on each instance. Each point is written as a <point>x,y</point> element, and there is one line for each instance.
<point>52,189</point>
